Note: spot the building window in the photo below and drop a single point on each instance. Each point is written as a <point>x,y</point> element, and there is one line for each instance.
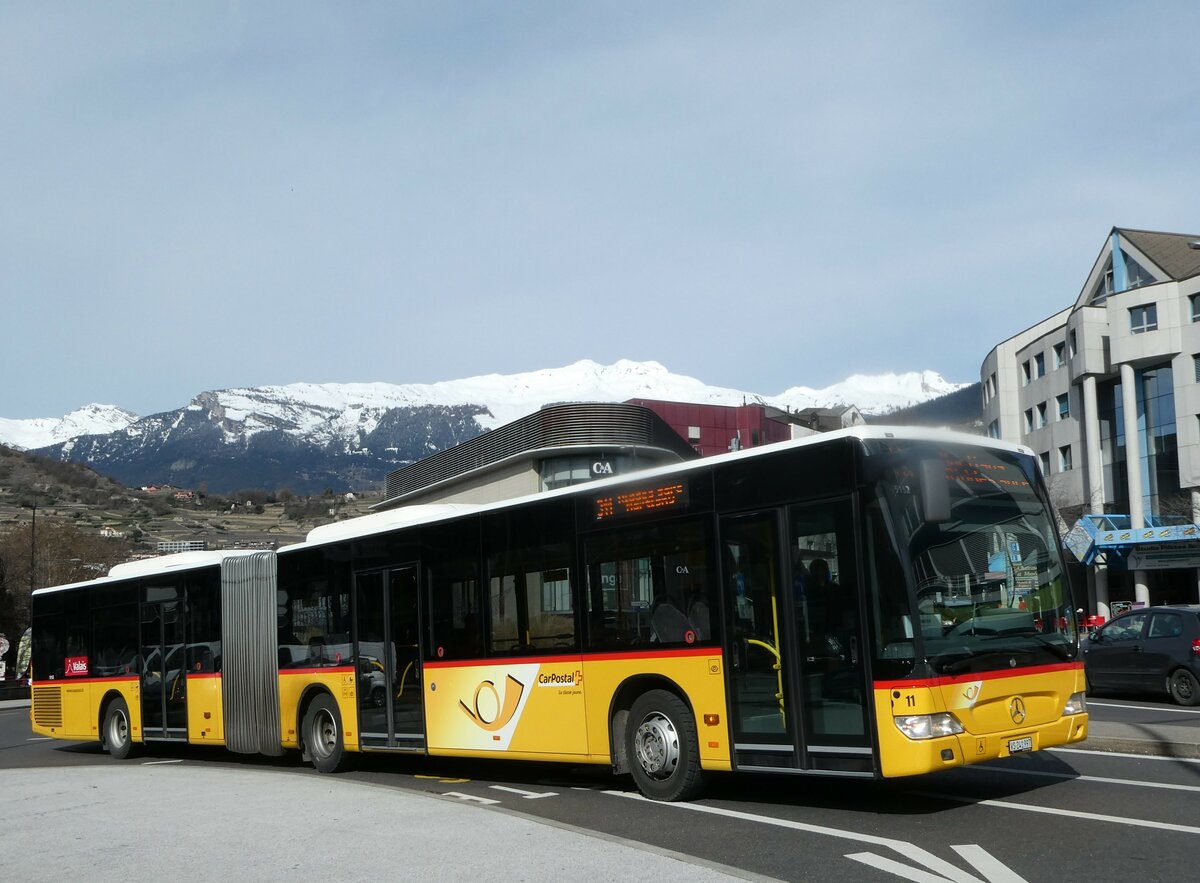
<point>1196,366</point>
<point>693,433</point>
<point>1195,301</point>
<point>1044,459</point>
<point>1039,363</point>
<point>1143,318</point>
<point>1072,344</point>
<point>1064,406</point>
<point>1064,459</point>
<point>1029,420</point>
<point>1025,374</point>
<point>994,429</point>
<point>1060,354</point>
<point>1041,415</point>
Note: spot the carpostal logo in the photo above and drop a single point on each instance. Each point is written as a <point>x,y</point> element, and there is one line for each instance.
<point>561,679</point>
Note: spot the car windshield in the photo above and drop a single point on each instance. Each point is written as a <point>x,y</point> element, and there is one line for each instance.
<point>988,589</point>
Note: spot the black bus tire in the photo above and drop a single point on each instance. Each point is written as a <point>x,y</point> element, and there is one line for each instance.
<point>116,732</point>
<point>323,735</point>
<point>662,747</point>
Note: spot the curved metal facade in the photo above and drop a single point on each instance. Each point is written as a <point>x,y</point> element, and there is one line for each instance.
<point>556,426</point>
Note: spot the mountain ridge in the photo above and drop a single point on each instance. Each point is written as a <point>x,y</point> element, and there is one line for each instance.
<point>308,437</point>
<point>504,398</point>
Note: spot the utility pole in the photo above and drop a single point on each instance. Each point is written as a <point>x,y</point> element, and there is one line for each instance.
<point>32,545</point>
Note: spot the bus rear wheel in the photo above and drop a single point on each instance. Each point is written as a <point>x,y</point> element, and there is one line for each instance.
<point>661,744</point>
<point>116,734</point>
<point>323,735</point>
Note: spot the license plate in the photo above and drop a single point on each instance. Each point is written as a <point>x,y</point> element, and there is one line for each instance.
<point>1015,745</point>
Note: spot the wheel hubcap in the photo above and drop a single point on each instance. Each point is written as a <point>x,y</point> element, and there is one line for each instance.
<point>324,734</point>
<point>656,744</point>
<point>118,729</point>
<point>1183,687</point>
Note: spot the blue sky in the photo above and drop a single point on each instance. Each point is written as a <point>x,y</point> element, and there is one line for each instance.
<point>760,195</point>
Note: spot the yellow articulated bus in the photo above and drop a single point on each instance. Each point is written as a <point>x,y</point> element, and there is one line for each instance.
<point>868,603</point>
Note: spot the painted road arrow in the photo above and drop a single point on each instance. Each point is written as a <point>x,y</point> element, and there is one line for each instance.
<point>932,870</point>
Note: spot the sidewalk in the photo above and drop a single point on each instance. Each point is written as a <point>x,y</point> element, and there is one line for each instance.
<point>138,821</point>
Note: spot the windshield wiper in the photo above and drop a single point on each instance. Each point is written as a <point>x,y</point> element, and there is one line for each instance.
<point>961,659</point>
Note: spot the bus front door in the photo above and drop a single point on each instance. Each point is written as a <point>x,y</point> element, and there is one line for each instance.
<point>388,660</point>
<point>827,618</point>
<point>797,673</point>
<point>164,669</point>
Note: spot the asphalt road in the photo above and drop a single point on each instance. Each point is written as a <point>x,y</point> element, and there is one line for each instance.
<point>1064,814</point>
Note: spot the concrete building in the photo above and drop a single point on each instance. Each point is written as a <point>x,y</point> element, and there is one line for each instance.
<point>571,443</point>
<point>1107,392</point>
<point>554,447</point>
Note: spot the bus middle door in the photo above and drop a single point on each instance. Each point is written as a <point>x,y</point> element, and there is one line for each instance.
<point>164,667</point>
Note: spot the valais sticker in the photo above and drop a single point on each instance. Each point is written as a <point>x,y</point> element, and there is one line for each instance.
<point>76,666</point>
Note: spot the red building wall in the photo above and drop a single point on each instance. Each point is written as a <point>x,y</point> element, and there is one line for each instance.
<point>719,425</point>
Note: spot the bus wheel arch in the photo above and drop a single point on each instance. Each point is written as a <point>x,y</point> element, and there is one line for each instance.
<point>322,736</point>
<point>655,738</point>
<point>116,728</point>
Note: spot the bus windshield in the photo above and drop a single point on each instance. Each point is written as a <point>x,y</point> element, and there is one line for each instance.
<point>987,586</point>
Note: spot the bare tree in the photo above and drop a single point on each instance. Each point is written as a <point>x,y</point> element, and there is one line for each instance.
<point>64,554</point>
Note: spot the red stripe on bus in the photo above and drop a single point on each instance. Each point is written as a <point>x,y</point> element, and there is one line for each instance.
<point>949,680</point>
<point>320,670</point>
<point>70,681</point>
<point>589,657</point>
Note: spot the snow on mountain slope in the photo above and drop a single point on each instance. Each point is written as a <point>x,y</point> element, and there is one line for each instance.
<point>38,432</point>
<point>343,414</point>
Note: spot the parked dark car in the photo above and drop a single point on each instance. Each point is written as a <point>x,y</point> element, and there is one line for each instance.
<point>1153,650</point>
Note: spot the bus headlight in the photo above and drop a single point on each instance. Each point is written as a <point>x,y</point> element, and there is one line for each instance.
<point>929,726</point>
<point>1077,704</point>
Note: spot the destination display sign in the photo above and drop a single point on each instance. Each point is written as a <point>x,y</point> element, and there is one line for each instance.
<point>976,469</point>
<point>641,501</point>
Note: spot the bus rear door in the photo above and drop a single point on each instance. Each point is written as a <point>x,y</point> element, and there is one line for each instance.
<point>388,661</point>
<point>164,666</point>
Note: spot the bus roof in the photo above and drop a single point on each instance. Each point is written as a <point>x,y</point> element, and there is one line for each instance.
<point>411,516</point>
<point>157,565</point>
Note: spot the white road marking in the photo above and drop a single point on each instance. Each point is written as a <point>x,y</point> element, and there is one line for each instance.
<point>528,795</point>
<point>1169,709</point>
<point>1124,754</point>
<point>40,739</point>
<point>942,870</point>
<point>159,762</point>
<point>1077,777</point>
<point>471,798</point>
<point>1070,813</point>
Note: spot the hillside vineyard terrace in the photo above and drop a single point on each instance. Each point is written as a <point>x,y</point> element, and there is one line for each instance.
<point>866,603</point>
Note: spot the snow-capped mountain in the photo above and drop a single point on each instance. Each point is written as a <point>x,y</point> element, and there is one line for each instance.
<point>330,411</point>
<point>307,435</point>
<point>38,432</point>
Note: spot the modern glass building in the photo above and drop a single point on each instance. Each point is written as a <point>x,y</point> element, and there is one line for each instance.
<point>1107,392</point>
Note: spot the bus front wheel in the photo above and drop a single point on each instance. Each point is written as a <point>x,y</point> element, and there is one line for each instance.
<point>323,735</point>
<point>117,737</point>
<point>661,744</point>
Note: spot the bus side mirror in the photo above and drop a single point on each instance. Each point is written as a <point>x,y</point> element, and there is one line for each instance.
<point>935,491</point>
